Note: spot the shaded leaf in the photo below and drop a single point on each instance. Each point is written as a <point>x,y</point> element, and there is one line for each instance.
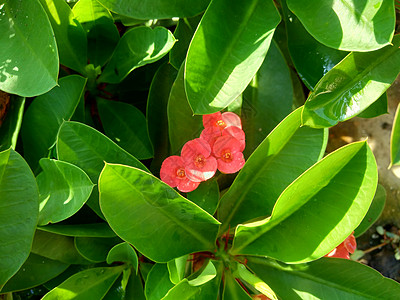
<point>84,230</point>
<point>137,47</point>
<point>158,283</point>
<point>95,249</point>
<point>206,196</point>
<point>123,252</point>
<point>395,140</point>
<point>11,125</point>
<point>23,53</point>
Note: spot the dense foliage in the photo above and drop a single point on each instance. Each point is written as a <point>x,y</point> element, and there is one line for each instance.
<point>97,95</point>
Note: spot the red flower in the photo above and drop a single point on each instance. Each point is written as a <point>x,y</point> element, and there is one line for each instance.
<point>348,246</point>
<point>221,120</point>
<point>237,133</point>
<point>173,173</point>
<point>227,150</point>
<point>199,164</point>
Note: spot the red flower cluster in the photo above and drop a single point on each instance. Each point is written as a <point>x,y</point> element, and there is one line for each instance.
<point>219,146</point>
<point>348,246</point>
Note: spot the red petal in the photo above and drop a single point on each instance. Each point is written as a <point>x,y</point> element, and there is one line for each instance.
<point>350,243</point>
<point>232,167</point>
<point>194,148</point>
<point>237,133</point>
<point>187,185</point>
<point>211,119</point>
<point>339,252</point>
<point>226,143</point>
<point>169,168</point>
<point>231,119</point>
<point>210,134</point>
<point>204,173</point>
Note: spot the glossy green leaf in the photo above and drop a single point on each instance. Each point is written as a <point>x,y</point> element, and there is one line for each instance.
<point>183,33</point>
<point>126,126</point>
<point>156,113</point>
<point>286,153</point>
<point>19,209</point>
<point>179,113</point>
<point>359,80</point>
<point>70,36</point>
<point>127,194</point>
<point>11,125</point>
<point>123,252</point>
<point>91,284</point>
<point>35,271</point>
<point>198,286</point>
<point>83,230</point>
<point>395,140</point>
<point>155,9</point>
<point>222,60</point>
<point>374,211</point>
<point>206,196</point>
<point>327,278</point>
<point>232,289</point>
<point>317,211</point>
<point>117,290</point>
<point>158,283</point>
<point>102,34</point>
<point>134,288</point>
<point>137,47</point>
<point>46,114</point>
<point>88,149</point>
<point>95,249</point>
<point>379,107</point>
<point>63,190</point>
<point>352,25</point>
<point>25,54</point>
<point>56,247</point>
<point>267,100</point>
<point>311,58</point>
<point>177,268</point>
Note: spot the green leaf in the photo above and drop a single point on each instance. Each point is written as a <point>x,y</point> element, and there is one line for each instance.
<point>56,247</point>
<point>83,230</point>
<point>311,58</point>
<point>69,33</point>
<point>19,209</point>
<point>232,289</point>
<point>88,149</point>
<point>395,140</point>
<point>324,205</point>
<point>158,282</point>
<point>63,190</point>
<point>379,107</point>
<point>156,113</point>
<point>360,79</point>
<point>326,278</point>
<point>177,268</point>
<point>137,47</point>
<point>198,286</point>
<point>278,161</point>
<point>102,34</point>
<point>155,9</point>
<point>179,113</point>
<point>206,196</point>
<point>222,60</point>
<point>95,249</point>
<point>127,194</point>
<point>374,211</point>
<point>91,284</point>
<point>25,54</point>
<point>183,33</point>
<point>11,125</point>
<point>35,271</point>
<point>123,252</point>
<point>46,114</point>
<point>134,288</point>
<point>351,25</point>
<point>126,126</point>
<point>261,109</point>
